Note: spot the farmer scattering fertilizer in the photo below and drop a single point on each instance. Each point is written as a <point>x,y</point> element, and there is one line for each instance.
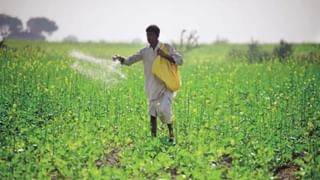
<point>160,72</point>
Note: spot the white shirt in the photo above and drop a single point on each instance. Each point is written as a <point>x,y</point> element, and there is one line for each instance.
<point>152,85</point>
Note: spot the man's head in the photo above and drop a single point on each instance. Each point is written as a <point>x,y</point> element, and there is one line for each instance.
<point>153,32</point>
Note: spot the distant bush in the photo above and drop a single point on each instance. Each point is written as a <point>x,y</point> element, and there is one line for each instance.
<point>70,38</point>
<point>237,55</point>
<point>255,54</point>
<point>2,45</point>
<point>188,41</point>
<point>311,55</point>
<point>283,51</point>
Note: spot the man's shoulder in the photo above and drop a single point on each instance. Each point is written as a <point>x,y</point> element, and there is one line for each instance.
<point>167,45</point>
<point>143,49</point>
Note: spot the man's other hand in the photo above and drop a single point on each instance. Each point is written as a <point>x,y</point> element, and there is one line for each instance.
<point>162,53</point>
<point>166,56</point>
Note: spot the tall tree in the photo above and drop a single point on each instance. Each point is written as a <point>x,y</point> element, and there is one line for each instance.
<point>41,25</point>
<point>9,25</point>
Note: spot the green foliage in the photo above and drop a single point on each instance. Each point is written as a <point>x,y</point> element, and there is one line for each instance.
<point>232,120</point>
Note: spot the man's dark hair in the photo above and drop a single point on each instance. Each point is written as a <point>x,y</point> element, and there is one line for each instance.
<point>153,28</point>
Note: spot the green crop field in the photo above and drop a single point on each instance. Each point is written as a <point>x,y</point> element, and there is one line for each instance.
<point>232,119</point>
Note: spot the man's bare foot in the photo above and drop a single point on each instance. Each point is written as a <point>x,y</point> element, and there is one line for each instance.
<point>171,135</point>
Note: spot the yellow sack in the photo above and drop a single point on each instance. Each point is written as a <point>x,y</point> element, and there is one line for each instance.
<point>166,71</point>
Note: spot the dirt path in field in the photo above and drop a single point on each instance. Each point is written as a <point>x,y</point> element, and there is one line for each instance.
<point>111,159</point>
<point>289,170</point>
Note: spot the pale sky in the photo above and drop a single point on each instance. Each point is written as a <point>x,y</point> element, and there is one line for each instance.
<point>125,20</point>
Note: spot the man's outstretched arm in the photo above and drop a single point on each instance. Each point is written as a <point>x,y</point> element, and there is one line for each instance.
<point>129,60</point>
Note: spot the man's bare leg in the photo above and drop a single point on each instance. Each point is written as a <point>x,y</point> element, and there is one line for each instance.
<point>171,135</point>
<point>153,124</point>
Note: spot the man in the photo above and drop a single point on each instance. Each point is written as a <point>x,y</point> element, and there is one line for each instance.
<point>160,98</point>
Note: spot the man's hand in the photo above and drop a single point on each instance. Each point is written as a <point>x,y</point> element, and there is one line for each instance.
<point>164,55</point>
<point>121,59</point>
<point>161,53</point>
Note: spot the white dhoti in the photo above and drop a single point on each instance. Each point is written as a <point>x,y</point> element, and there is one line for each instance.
<point>162,107</point>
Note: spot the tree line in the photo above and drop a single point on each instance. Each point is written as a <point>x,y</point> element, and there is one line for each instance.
<point>37,28</point>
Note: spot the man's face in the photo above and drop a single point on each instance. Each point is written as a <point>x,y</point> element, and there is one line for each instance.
<point>152,37</point>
